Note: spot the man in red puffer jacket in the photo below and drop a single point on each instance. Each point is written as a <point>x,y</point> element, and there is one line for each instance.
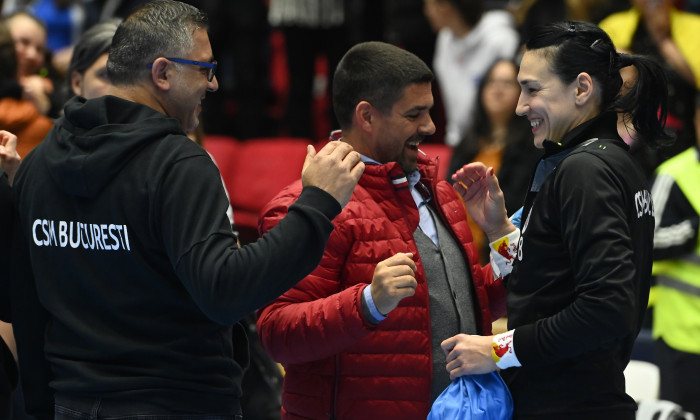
<point>360,336</point>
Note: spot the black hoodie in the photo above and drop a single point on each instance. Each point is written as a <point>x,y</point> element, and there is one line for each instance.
<point>135,263</point>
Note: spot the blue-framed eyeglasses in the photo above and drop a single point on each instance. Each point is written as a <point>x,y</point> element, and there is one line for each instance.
<point>210,65</point>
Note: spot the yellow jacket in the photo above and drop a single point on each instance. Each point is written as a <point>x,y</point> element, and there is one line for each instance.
<point>685,32</point>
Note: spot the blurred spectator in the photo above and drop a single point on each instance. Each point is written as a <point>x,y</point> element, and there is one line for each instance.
<point>658,29</point>
<point>30,38</point>
<point>310,28</point>
<point>18,115</point>
<point>469,41</point>
<point>29,35</point>
<point>676,295</point>
<point>87,70</point>
<point>500,139</point>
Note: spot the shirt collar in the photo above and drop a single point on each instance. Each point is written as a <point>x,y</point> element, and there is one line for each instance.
<point>413,177</point>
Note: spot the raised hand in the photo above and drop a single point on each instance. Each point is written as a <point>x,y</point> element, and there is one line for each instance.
<point>483,197</point>
<point>336,168</point>
<point>9,158</point>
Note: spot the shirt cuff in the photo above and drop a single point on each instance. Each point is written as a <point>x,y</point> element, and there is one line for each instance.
<point>503,351</point>
<point>373,311</point>
<point>503,252</point>
<point>517,217</point>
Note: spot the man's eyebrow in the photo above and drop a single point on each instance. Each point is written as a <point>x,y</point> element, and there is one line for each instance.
<point>418,108</point>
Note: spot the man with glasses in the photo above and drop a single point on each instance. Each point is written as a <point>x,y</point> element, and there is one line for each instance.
<point>208,68</point>
<point>139,284</point>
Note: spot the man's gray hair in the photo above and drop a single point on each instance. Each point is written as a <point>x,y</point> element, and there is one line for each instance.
<point>161,28</point>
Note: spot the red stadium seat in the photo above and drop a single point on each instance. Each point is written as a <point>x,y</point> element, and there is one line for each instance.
<point>254,171</point>
<point>223,150</point>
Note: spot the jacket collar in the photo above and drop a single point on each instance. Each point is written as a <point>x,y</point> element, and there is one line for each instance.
<point>376,174</point>
<point>602,126</point>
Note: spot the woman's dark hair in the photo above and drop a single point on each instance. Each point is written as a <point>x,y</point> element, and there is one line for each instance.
<point>92,44</point>
<point>573,47</point>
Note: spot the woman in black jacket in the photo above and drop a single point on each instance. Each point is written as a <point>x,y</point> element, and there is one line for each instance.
<point>581,258</point>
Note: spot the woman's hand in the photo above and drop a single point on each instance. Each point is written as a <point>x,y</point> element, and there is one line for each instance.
<point>9,158</point>
<point>483,197</point>
<point>468,355</point>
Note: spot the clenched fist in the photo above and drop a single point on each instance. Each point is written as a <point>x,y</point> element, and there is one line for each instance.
<point>393,280</point>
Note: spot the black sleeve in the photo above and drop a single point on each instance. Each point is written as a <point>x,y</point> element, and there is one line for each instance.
<point>676,231</point>
<point>227,282</point>
<point>5,241</point>
<point>8,368</point>
<point>29,320</point>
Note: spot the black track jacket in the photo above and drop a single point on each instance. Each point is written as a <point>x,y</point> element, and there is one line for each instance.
<point>580,284</point>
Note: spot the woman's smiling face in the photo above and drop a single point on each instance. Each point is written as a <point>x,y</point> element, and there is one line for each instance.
<point>548,103</point>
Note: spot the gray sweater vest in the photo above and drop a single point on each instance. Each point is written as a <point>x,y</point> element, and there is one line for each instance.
<point>451,295</point>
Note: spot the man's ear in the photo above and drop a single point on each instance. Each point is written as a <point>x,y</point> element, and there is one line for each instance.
<point>160,73</point>
<point>585,89</point>
<point>364,116</point>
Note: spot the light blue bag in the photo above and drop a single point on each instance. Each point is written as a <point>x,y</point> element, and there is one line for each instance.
<point>474,397</point>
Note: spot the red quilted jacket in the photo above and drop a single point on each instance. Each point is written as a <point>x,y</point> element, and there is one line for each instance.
<point>338,365</point>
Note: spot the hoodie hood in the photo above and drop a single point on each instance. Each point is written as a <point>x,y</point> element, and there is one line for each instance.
<point>96,138</point>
